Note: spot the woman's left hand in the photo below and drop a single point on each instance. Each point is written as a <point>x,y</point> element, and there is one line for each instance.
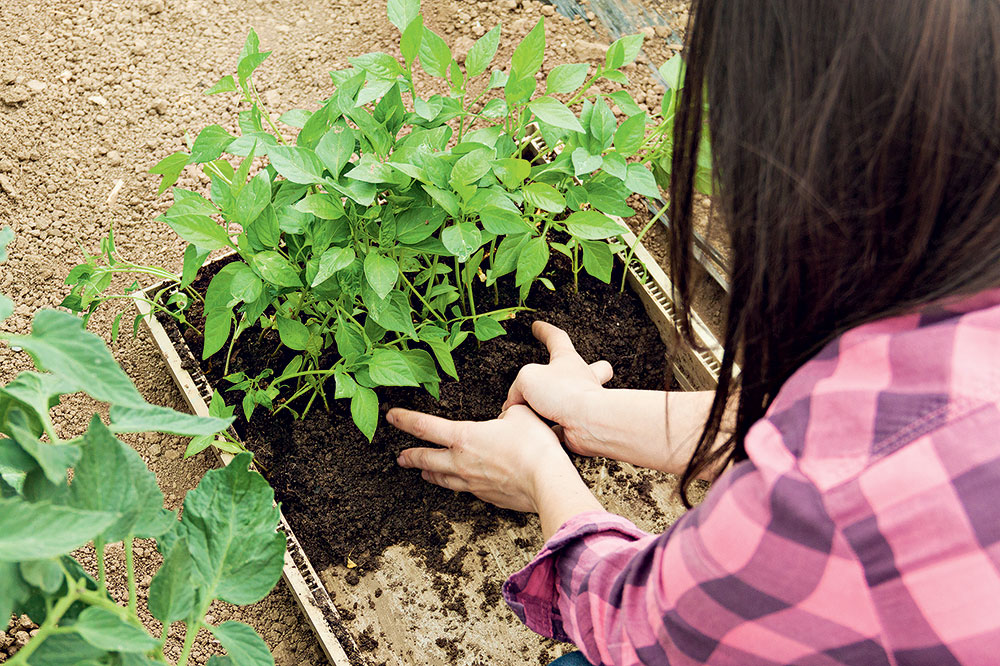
<point>500,461</point>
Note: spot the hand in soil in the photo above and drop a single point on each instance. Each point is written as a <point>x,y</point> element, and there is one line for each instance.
<point>556,391</point>
<point>499,461</point>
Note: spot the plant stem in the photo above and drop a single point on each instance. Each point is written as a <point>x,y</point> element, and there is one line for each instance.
<point>130,576</point>
<point>49,627</point>
<point>409,284</point>
<point>99,554</point>
<point>638,240</point>
<point>189,636</point>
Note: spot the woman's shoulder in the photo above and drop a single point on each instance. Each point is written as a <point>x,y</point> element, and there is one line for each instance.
<point>884,385</point>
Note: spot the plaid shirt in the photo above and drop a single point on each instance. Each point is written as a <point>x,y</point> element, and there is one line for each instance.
<point>864,528</point>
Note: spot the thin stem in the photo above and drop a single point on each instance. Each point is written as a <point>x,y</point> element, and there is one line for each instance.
<point>638,241</point>
<point>267,114</point>
<point>164,635</point>
<point>189,636</point>
<point>130,576</point>
<point>49,627</point>
<point>99,554</point>
<point>409,284</point>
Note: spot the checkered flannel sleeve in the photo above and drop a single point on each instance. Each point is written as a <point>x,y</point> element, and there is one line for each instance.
<point>864,528</point>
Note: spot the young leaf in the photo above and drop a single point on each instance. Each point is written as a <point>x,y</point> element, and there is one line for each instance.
<point>334,259</point>
<point>297,164</point>
<point>388,367</point>
<point>335,149</point>
<point>210,144</point>
<point>381,65</point>
<point>672,72</point>
<point>243,645</point>
<point>584,162</point>
<point>528,55</point>
<point>381,273</point>
<point>566,78</point>
<point>629,135</point>
<point>170,168</point>
<point>409,43</point>
<point>641,181</point>
<point>277,270</point>
<point>591,225</point>
<point>293,333</point>
<point>435,56</point>
<point>199,230</point>
<point>544,196</point>
<point>462,240</point>
<point>107,631</point>
<point>442,352</point>
<point>552,111</point>
<point>364,411</point>
<point>246,66</point>
<point>487,328</point>
<point>602,126</point>
<point>225,84</point>
<point>623,51</point>
<point>481,53</point>
<point>625,102</point>
<point>402,12</point>
<point>597,259</point>
<point>532,260</point>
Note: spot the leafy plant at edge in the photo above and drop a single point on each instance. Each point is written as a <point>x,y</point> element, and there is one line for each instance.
<point>224,547</point>
<point>366,237</point>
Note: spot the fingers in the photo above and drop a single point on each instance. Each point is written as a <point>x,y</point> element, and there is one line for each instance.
<point>436,461</point>
<point>449,481</point>
<point>425,426</point>
<point>603,372</point>
<point>554,338</point>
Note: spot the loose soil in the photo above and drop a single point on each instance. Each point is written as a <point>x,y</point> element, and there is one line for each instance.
<point>94,92</point>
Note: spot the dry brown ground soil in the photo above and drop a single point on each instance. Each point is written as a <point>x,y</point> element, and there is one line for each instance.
<point>94,92</point>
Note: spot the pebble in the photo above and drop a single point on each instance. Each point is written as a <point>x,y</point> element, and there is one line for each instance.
<point>6,185</point>
<point>139,48</point>
<point>548,10</point>
<point>590,50</point>
<point>98,100</point>
<point>21,638</point>
<point>114,158</point>
<point>6,165</point>
<point>159,106</point>
<point>37,86</point>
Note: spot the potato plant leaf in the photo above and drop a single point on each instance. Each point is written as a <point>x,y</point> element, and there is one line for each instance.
<point>243,645</point>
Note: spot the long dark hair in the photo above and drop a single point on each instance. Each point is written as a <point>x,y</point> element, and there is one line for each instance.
<point>856,157</point>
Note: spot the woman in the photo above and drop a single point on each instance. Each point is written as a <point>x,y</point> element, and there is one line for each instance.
<point>856,150</point>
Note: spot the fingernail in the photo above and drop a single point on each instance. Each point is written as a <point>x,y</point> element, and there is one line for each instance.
<point>391,417</point>
<point>400,460</point>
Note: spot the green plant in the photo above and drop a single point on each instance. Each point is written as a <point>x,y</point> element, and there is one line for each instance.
<point>376,242</point>
<point>224,547</point>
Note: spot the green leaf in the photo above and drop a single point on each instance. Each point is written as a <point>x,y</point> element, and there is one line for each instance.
<point>528,55</point>
<point>111,477</point>
<point>194,259</point>
<point>364,411</point>
<point>53,460</point>
<point>199,230</point>
<point>610,200</point>
<point>402,12</point>
<point>462,240</point>
<point>566,78</point>
<point>487,328</point>
<point>629,135</point>
<point>602,126</point>
<point>388,367</point>
<point>597,259</point>
<point>59,344</point>
<point>171,594</point>
<point>297,164</point>
<point>591,225</point>
<point>512,171</point>
<point>381,65</point>
<point>225,84</point>
<point>229,522</point>
<point>295,117</point>
<point>243,645</point>
<point>335,148</point>
<point>472,166</point>
<point>293,333</point>
<point>532,260</point>
<point>502,222</point>
<point>170,168</point>
<point>435,56</point>
<point>625,102</point>
<point>623,51</point>
<point>584,162</point>
<point>552,111</point>
<point>105,630</point>
<point>37,392</point>
<point>442,352</point>
<point>409,43</point>
<point>371,170</point>
<point>46,530</point>
<point>615,165</point>
<point>544,196</point>
<point>210,144</point>
<point>322,205</point>
<point>245,286</point>
<point>641,181</point>
<point>46,575</point>
<point>247,65</point>
<point>419,223</point>
<point>672,72</point>
<point>333,260</point>
<point>481,53</point>
<point>277,270</point>
<point>253,198</point>
<point>447,200</point>
<point>381,273</point>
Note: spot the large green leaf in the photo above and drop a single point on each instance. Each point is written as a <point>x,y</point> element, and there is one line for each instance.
<point>200,230</point>
<point>528,55</point>
<point>244,646</point>
<point>566,78</point>
<point>67,650</point>
<point>388,367</point>
<point>154,418</point>
<point>171,594</point>
<point>276,269</point>
<point>107,631</point>
<point>37,392</point>
<point>293,333</point>
<point>297,164</point>
<point>597,259</point>
<point>546,197</point>
<point>210,144</point>
<point>591,225</point>
<point>552,111</point>
<point>532,260</point>
<point>53,459</point>
<point>402,12</point>
<point>335,148</point>
<point>46,530</point>
<point>641,181</point>
<point>332,260</point>
<point>462,240</point>
<point>481,53</point>
<point>364,411</point>
<point>229,522</point>
<point>629,135</point>
<point>435,56</point>
<point>111,477</point>
<point>623,51</point>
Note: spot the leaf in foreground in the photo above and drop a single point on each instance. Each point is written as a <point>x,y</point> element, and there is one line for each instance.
<point>46,530</point>
<point>105,630</point>
<point>244,646</point>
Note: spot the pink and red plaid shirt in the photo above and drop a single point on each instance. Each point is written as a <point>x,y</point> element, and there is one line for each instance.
<point>864,528</point>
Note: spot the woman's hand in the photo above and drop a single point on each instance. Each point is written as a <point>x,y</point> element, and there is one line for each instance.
<point>562,390</point>
<point>500,461</point>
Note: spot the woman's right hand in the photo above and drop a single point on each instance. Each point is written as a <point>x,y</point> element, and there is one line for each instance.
<point>562,389</point>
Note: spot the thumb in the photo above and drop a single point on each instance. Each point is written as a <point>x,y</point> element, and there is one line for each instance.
<point>602,371</point>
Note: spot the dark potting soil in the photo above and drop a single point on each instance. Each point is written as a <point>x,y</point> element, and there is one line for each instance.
<point>346,498</point>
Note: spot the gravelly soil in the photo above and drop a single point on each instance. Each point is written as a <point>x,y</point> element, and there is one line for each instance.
<point>94,92</point>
